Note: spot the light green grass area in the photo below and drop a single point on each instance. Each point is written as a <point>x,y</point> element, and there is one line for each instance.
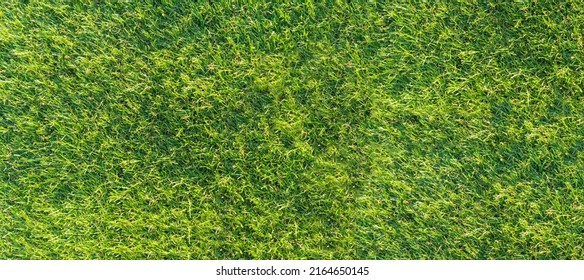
<point>292,130</point>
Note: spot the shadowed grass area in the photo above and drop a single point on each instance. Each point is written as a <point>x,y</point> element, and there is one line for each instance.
<point>297,130</point>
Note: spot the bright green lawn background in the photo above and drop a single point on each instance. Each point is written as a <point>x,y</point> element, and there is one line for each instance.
<point>305,130</point>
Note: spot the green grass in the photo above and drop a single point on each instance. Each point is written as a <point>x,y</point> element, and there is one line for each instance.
<point>304,130</point>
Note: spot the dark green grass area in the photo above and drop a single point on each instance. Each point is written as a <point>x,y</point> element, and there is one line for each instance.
<point>292,130</point>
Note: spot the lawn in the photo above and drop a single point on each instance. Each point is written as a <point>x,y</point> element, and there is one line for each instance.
<point>292,129</point>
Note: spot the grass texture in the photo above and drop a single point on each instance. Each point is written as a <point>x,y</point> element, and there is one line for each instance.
<point>292,129</point>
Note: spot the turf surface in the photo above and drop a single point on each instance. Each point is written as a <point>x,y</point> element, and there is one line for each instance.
<point>291,130</point>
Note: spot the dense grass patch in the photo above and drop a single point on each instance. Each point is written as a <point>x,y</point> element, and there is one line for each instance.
<point>296,130</point>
